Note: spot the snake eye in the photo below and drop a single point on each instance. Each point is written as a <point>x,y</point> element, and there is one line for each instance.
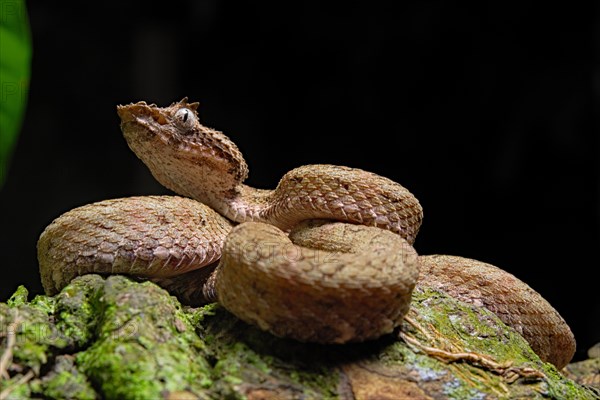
<point>186,117</point>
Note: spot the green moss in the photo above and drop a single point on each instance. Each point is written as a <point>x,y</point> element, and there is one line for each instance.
<point>473,329</point>
<point>36,338</point>
<point>44,303</point>
<point>19,297</point>
<point>118,339</point>
<point>238,358</point>
<point>559,387</point>
<point>122,370</point>
<point>248,359</point>
<point>18,391</point>
<point>76,309</point>
<point>145,345</point>
<point>458,327</point>
<point>197,315</point>
<point>65,380</point>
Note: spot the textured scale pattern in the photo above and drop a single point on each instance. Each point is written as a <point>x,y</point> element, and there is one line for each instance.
<point>150,236</point>
<point>487,286</point>
<point>347,194</point>
<point>338,295</point>
<point>199,162</point>
<point>285,271</point>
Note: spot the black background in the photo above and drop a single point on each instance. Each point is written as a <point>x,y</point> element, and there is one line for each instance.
<point>484,112</point>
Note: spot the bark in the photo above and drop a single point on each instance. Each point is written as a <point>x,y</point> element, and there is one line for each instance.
<point>115,338</point>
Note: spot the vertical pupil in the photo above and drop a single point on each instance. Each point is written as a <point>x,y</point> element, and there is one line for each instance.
<point>185,116</point>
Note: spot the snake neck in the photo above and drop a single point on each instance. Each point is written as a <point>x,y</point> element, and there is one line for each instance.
<point>204,164</point>
<point>243,203</point>
<point>325,192</point>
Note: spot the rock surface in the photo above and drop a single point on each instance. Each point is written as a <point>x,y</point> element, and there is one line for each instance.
<point>115,338</point>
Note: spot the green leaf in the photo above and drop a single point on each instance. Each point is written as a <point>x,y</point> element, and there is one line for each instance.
<point>15,65</point>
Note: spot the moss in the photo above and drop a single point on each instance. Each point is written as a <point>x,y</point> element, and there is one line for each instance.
<point>65,380</point>
<point>145,346</point>
<point>586,372</point>
<point>248,361</point>
<point>130,340</point>
<point>44,303</point>
<point>115,338</point>
<point>35,341</point>
<point>18,391</point>
<point>36,337</point>
<point>76,309</point>
<point>451,325</point>
<point>19,297</point>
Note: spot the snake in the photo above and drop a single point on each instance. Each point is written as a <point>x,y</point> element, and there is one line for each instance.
<point>325,257</point>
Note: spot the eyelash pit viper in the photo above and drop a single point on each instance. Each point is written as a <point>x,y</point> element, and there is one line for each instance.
<point>274,258</point>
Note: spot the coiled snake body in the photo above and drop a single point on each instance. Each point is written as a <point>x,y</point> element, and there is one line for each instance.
<point>286,267</point>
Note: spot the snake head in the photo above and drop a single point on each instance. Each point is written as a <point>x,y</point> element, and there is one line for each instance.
<point>181,153</point>
<point>178,117</point>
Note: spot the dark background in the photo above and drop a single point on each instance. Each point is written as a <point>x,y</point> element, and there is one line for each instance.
<point>485,113</point>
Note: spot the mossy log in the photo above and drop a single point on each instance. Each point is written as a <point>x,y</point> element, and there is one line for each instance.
<point>115,338</point>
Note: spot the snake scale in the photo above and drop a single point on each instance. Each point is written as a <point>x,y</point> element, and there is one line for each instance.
<point>326,257</point>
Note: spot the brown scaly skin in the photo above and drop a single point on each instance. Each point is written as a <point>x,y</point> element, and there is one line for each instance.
<point>356,287</point>
<point>201,163</point>
<point>513,301</point>
<point>332,295</point>
<point>150,236</point>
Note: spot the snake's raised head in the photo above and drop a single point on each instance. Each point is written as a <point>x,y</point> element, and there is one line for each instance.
<point>181,153</point>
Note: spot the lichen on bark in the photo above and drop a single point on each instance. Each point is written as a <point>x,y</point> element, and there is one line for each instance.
<point>115,338</point>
